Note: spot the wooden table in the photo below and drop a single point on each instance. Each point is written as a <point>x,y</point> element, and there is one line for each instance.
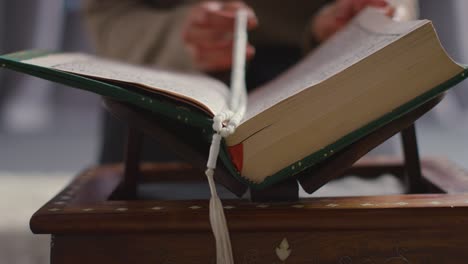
<point>89,223</point>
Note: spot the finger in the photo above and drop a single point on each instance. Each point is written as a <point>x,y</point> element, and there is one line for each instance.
<point>234,6</point>
<point>221,65</point>
<point>361,4</point>
<point>223,16</point>
<point>347,9</point>
<point>205,56</point>
<point>220,60</point>
<point>332,29</point>
<point>201,36</point>
<point>389,11</point>
<point>344,10</point>
<point>199,12</point>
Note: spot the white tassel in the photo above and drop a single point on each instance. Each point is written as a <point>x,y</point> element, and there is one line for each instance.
<point>225,123</point>
<point>219,225</point>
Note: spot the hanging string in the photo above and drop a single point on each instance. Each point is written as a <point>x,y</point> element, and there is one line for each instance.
<point>224,124</point>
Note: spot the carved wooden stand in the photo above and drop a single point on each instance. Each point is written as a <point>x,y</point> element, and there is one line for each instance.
<point>100,218</point>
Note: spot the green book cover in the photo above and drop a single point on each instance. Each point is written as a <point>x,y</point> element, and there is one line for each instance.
<point>192,117</point>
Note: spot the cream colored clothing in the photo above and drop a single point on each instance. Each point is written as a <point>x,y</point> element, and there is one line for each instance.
<point>145,32</point>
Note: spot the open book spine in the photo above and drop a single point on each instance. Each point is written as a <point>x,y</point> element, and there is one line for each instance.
<point>232,156</point>
<point>158,106</point>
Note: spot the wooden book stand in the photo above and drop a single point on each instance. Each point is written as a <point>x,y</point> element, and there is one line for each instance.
<point>101,218</point>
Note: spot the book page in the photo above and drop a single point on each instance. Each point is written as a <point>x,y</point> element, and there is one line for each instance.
<point>366,34</point>
<point>203,91</point>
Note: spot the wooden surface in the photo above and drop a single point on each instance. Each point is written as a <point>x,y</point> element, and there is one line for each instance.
<point>285,191</point>
<point>84,203</point>
<point>428,246</point>
<point>132,163</point>
<point>413,179</point>
<point>87,227</point>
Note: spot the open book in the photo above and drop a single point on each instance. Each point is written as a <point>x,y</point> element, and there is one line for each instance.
<point>370,73</point>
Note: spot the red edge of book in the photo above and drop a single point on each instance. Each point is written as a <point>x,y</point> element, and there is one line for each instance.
<point>237,153</point>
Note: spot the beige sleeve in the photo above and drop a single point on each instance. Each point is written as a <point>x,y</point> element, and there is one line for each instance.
<point>132,31</point>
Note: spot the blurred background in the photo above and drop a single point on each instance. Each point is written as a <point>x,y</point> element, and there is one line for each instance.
<point>48,133</point>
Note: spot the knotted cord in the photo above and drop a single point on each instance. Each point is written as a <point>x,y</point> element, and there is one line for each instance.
<point>225,124</point>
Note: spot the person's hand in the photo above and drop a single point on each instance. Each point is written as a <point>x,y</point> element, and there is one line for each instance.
<point>208,34</point>
<point>335,16</point>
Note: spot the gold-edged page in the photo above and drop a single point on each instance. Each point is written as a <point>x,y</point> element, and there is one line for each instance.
<point>366,34</point>
<point>203,91</point>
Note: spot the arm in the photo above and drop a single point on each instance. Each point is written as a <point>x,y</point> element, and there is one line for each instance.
<point>132,31</point>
